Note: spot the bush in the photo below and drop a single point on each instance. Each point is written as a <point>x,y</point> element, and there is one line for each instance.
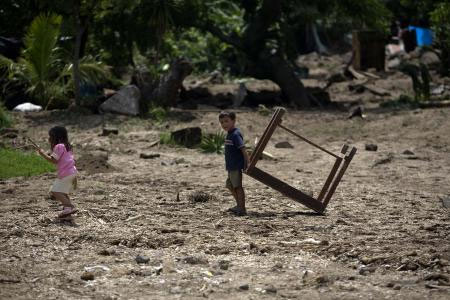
<point>5,118</point>
<point>213,143</point>
<point>166,138</point>
<point>16,163</point>
<point>158,113</point>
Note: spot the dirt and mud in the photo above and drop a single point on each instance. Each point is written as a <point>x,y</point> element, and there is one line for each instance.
<point>140,234</point>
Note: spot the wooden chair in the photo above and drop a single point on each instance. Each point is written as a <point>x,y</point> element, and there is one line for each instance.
<point>338,170</point>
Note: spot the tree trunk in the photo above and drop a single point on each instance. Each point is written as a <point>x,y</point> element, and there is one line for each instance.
<point>166,94</point>
<point>277,69</point>
<point>76,53</point>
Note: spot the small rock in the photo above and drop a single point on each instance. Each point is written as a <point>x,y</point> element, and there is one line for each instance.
<point>285,145</point>
<point>87,276</point>
<point>142,259</point>
<point>367,270</point>
<point>149,155</point>
<point>107,252</point>
<point>397,287</point>
<point>244,287</point>
<point>371,147</point>
<point>322,279</point>
<point>408,152</point>
<point>356,112</point>
<point>110,130</point>
<point>194,260</point>
<point>270,290</point>
<point>188,137</point>
<point>224,264</point>
<point>446,201</point>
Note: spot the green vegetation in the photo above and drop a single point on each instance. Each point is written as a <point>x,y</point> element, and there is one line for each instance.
<point>213,143</point>
<point>165,138</point>
<point>5,118</point>
<point>43,66</point>
<point>158,113</point>
<point>16,163</point>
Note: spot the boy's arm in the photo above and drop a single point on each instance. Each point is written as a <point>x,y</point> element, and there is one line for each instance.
<point>246,159</point>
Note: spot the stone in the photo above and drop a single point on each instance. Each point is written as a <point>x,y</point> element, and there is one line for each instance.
<point>367,270</point>
<point>430,59</point>
<point>140,259</point>
<point>107,252</point>
<point>194,260</point>
<point>87,276</point>
<point>270,290</point>
<point>188,137</point>
<point>446,201</point>
<point>371,147</point>
<point>149,155</point>
<point>408,152</point>
<point>285,145</point>
<point>244,287</point>
<point>125,101</point>
<point>223,264</point>
<point>109,130</point>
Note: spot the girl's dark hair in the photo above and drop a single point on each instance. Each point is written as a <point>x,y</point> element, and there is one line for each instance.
<point>58,135</point>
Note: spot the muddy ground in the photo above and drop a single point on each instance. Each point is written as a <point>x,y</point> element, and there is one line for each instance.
<point>384,235</point>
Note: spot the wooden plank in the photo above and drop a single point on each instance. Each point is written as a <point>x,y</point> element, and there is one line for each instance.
<point>348,158</point>
<point>330,177</point>
<point>333,171</point>
<point>308,141</point>
<point>276,119</point>
<point>286,189</point>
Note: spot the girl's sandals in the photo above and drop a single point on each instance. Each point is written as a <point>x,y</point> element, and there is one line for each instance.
<point>67,211</point>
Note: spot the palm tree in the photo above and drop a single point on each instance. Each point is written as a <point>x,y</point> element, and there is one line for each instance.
<point>42,67</point>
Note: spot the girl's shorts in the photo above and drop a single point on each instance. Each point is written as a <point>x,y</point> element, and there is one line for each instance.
<point>65,185</point>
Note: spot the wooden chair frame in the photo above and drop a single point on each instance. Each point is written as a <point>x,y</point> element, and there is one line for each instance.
<point>341,164</point>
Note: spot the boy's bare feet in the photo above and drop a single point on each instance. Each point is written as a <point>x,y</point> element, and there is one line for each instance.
<point>237,211</point>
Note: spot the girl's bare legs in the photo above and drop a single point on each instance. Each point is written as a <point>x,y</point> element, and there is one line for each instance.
<point>63,198</point>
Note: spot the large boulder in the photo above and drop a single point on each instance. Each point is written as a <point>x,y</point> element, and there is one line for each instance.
<point>125,102</point>
<point>430,59</point>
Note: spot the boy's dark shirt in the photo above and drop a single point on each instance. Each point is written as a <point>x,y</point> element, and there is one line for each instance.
<point>234,159</point>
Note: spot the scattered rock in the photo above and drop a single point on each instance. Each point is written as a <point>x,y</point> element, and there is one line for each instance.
<point>356,112</point>
<point>446,201</point>
<point>188,137</point>
<point>438,90</point>
<point>107,252</point>
<point>125,101</point>
<point>87,276</point>
<point>321,280</point>
<point>371,147</point>
<point>430,59</point>
<point>109,130</point>
<point>244,287</point>
<point>397,287</point>
<point>285,145</point>
<point>149,155</point>
<point>224,264</point>
<point>140,259</point>
<point>270,290</point>
<point>199,197</point>
<point>194,260</point>
<point>366,270</point>
<point>408,152</point>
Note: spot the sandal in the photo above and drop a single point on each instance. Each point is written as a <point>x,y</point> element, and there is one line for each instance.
<point>67,211</point>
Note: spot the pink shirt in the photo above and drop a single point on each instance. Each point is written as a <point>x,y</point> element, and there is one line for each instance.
<point>66,163</point>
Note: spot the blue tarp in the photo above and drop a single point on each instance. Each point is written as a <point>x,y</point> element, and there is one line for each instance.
<point>424,36</point>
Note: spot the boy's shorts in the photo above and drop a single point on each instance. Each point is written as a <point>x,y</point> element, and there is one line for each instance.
<point>64,185</point>
<point>234,179</point>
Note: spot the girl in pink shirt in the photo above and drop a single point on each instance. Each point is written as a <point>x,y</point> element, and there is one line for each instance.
<point>62,157</point>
